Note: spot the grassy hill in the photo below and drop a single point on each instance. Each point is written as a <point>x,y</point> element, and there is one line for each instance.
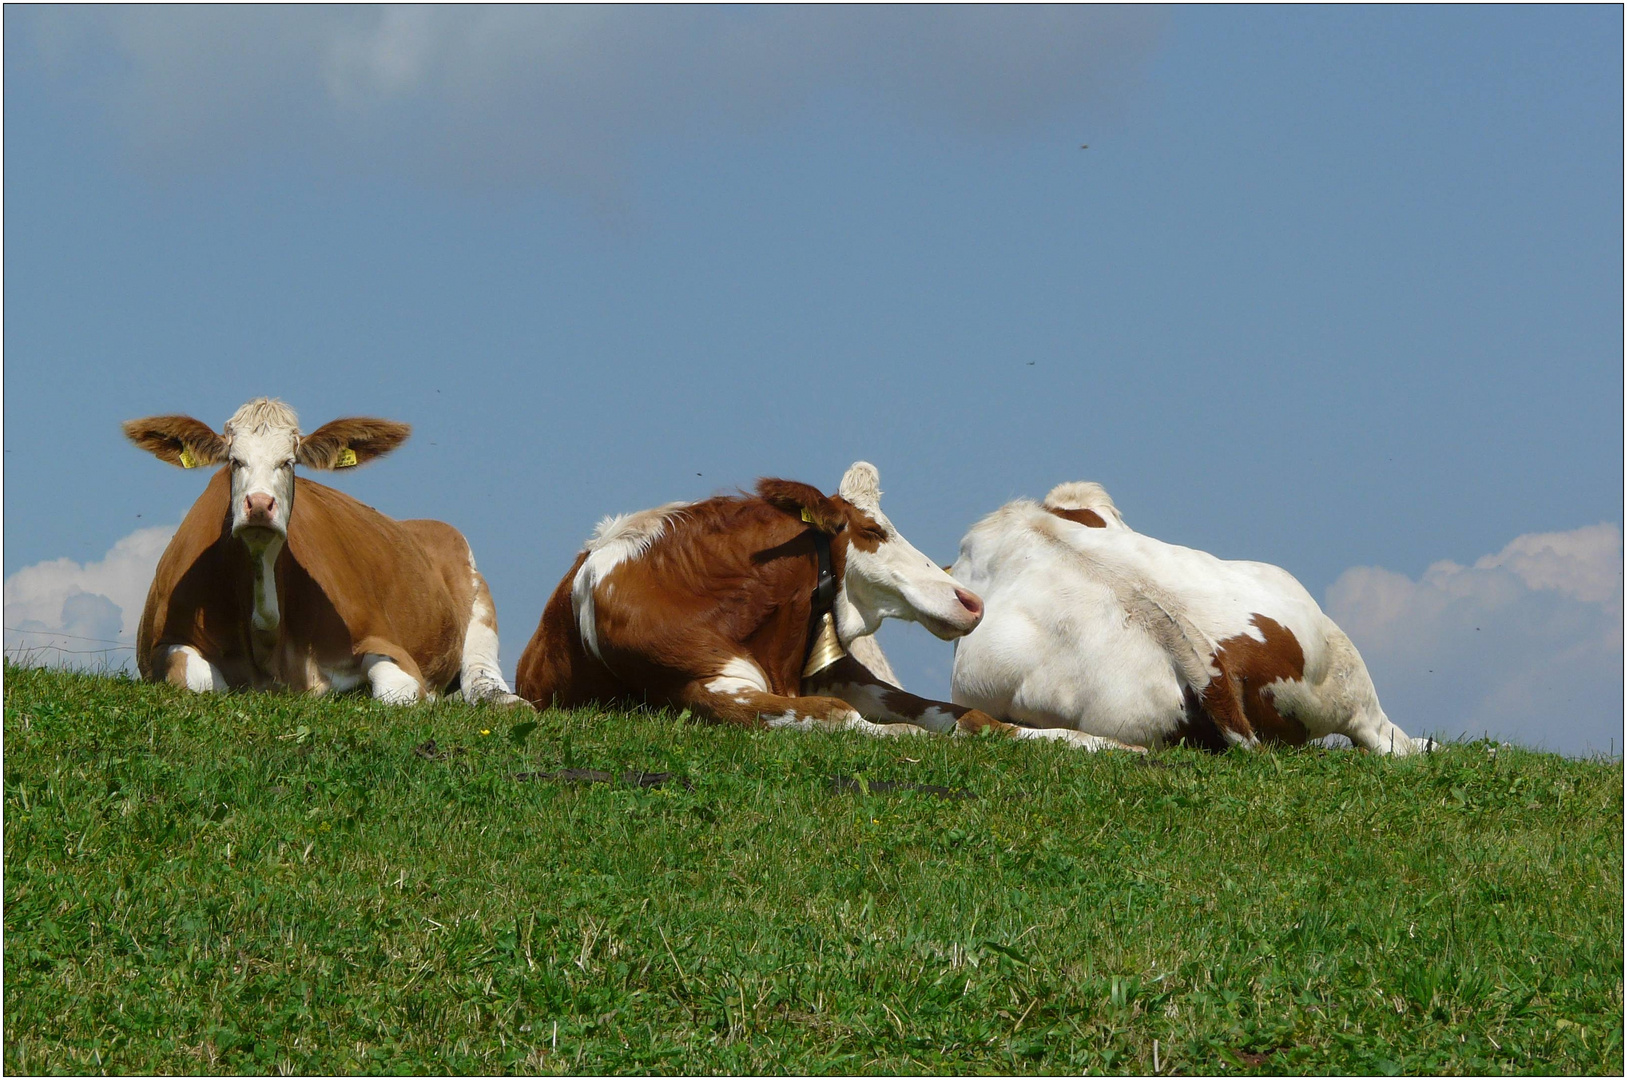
<point>263,884</point>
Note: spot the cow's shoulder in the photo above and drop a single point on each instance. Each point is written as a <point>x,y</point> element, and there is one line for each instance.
<point>363,559</point>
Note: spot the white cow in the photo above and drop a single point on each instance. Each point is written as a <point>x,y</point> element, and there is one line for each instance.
<point>1093,626</point>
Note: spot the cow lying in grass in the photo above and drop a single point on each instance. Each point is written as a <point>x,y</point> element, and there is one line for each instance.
<point>1094,627</point>
<point>741,609</point>
<point>273,581</point>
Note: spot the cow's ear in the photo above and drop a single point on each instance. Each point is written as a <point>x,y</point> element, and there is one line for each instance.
<point>804,501</point>
<point>179,440</point>
<point>355,440</point>
<point>861,486</point>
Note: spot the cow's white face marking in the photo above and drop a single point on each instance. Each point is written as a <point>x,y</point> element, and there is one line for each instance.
<point>887,578</point>
<point>261,439</point>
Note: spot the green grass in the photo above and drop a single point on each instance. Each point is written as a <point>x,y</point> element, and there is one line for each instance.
<point>271,884</point>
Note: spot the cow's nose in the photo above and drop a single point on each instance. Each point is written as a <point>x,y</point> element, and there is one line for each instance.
<point>969,601</point>
<point>259,507</point>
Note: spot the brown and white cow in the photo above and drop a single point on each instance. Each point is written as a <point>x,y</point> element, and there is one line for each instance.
<point>714,606</point>
<point>274,581</point>
<point>1094,627</point>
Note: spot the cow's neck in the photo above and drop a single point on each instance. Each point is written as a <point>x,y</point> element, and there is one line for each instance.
<point>850,621</point>
<point>267,618</point>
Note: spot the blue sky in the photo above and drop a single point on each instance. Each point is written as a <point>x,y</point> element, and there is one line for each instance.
<point>1334,288</point>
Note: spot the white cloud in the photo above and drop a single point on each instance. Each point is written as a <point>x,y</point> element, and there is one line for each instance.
<point>559,94</point>
<point>1525,645</point>
<point>63,612</point>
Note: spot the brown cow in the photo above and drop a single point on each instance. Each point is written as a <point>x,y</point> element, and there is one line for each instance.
<point>741,608</point>
<point>273,581</point>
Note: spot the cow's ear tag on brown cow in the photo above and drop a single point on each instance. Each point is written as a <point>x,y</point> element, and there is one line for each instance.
<point>807,516</point>
<point>347,458</point>
<point>187,460</point>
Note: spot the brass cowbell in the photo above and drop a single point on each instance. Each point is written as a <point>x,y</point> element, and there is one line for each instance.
<point>827,647</point>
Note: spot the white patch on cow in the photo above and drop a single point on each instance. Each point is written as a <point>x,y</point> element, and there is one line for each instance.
<point>263,552</point>
<point>480,676</point>
<point>202,677</point>
<point>1106,631</point>
<point>617,539</point>
<point>389,683</point>
<point>738,677</point>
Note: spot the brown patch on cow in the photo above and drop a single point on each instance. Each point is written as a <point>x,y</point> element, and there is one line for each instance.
<point>1081,516</point>
<point>1239,700</point>
<point>366,437</point>
<point>906,705</point>
<point>731,577</point>
<point>179,440</point>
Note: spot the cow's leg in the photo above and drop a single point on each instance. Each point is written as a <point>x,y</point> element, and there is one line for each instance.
<point>185,666</point>
<point>389,682</point>
<point>879,701</point>
<point>749,707</point>
<point>1345,703</point>
<point>1374,731</point>
<point>481,678</point>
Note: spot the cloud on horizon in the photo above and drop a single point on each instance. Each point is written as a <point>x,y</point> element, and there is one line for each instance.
<point>68,614</point>
<point>1525,645</point>
<point>475,95</point>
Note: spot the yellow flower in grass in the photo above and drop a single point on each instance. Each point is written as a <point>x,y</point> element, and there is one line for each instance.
<point>485,731</point>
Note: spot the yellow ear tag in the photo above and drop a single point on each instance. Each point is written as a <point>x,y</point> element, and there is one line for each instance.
<point>807,516</point>
<point>187,460</point>
<point>347,458</point>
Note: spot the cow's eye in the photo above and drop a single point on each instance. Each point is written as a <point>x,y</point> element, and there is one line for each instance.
<point>237,463</point>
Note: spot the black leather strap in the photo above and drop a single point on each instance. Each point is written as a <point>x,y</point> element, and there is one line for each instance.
<point>824,594</point>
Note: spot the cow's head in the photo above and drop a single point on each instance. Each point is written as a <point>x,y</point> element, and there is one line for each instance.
<point>882,575</point>
<point>262,444</point>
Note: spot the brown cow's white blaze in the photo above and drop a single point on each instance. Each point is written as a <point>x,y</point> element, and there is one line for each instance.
<point>273,581</point>
<point>707,606</point>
